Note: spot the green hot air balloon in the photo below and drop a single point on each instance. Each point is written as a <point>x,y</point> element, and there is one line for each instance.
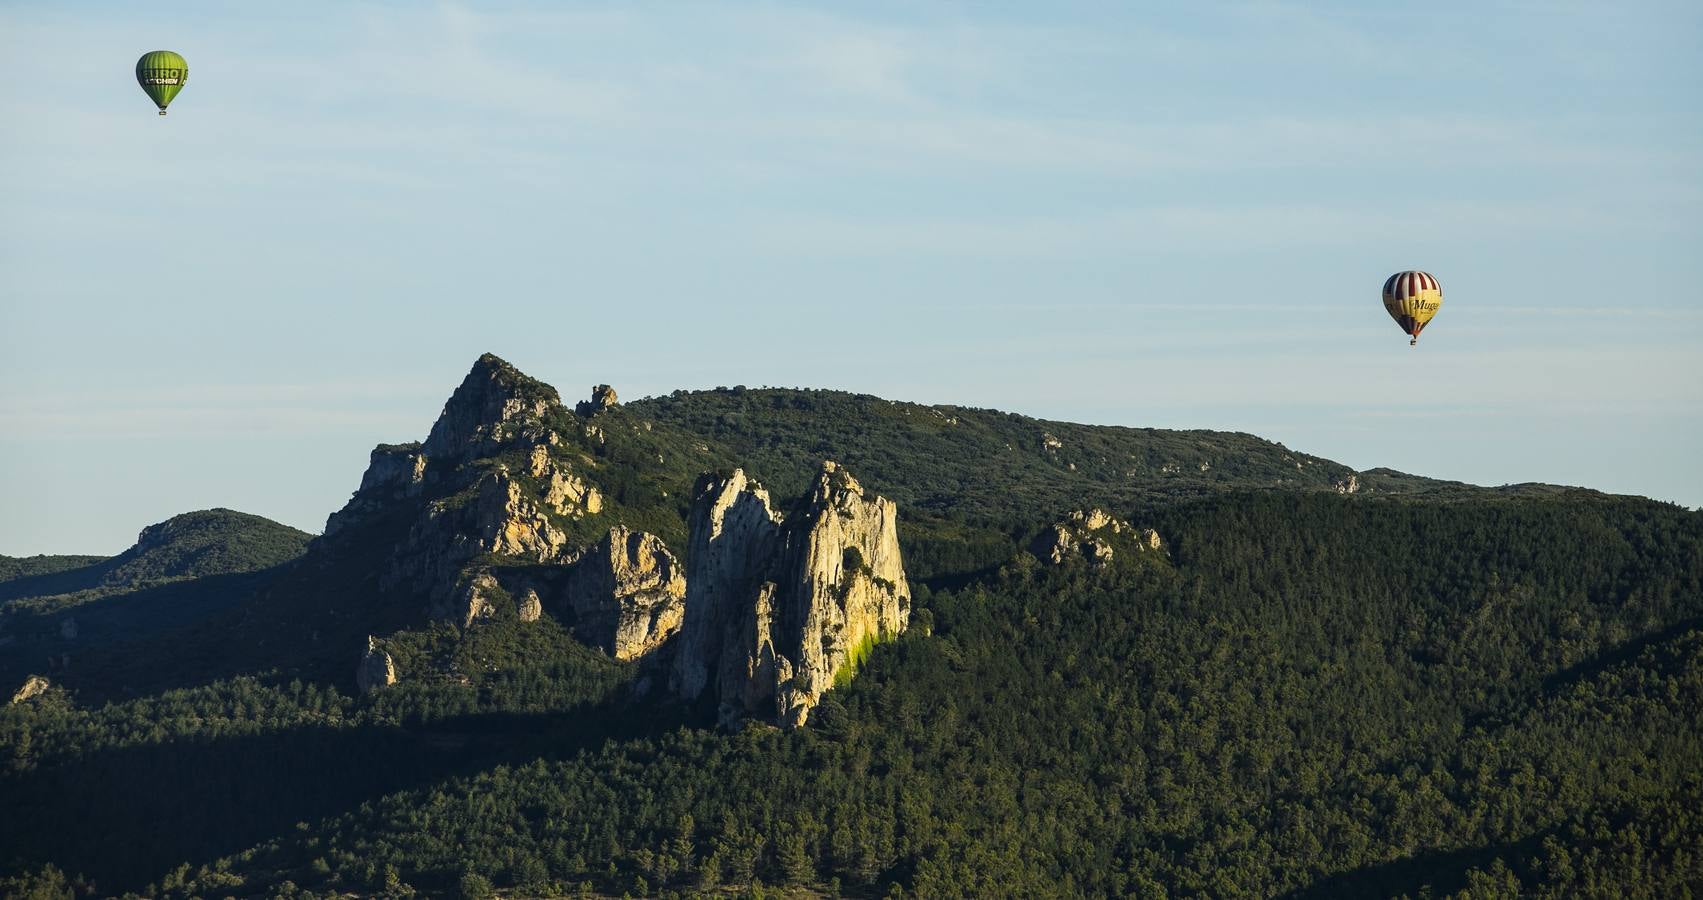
<point>161,73</point>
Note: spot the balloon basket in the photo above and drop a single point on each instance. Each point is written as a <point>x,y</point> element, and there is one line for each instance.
<point>162,112</point>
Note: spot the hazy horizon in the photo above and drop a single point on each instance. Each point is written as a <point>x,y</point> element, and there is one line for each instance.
<point>1172,218</point>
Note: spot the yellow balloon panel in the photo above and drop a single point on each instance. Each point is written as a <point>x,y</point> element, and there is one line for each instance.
<point>1419,307</point>
<point>1412,298</point>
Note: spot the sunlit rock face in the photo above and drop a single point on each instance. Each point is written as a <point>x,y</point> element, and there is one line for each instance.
<point>628,594</point>
<point>777,609</point>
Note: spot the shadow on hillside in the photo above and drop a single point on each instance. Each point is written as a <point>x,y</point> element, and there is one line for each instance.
<point>68,581</point>
<point>1565,678</point>
<point>306,618</point>
<point>1443,873</point>
<point>125,816</point>
<point>40,643</point>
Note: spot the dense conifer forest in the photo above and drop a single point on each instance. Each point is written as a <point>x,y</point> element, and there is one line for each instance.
<point>1430,690</point>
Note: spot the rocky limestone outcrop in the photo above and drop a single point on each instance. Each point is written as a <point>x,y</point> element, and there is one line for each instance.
<point>602,397</point>
<point>501,517</point>
<point>1349,485</point>
<point>393,471</point>
<point>476,601</point>
<point>624,594</point>
<point>1091,535</point>
<point>376,669</point>
<point>399,466</point>
<point>780,608</point>
<point>564,492</point>
<point>33,686</point>
<point>487,515</point>
<point>734,534</point>
<point>495,406</point>
<point>627,594</point>
<point>530,607</point>
<point>504,520</point>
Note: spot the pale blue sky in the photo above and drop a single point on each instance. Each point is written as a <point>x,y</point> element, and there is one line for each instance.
<point>1104,212</point>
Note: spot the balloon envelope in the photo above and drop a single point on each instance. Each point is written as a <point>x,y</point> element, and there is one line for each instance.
<point>1412,298</point>
<point>161,73</point>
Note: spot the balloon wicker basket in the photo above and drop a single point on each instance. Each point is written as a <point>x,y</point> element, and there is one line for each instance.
<point>162,112</point>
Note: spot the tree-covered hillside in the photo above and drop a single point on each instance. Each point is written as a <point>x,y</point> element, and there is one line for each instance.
<point>987,464</point>
<point>978,463</point>
<point>15,567</point>
<point>1306,694</point>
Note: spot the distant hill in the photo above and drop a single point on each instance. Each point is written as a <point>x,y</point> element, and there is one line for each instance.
<point>191,545</point>
<point>179,571</point>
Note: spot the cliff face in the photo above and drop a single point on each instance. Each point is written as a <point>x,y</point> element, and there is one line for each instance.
<point>734,534</point>
<point>628,594</point>
<point>394,472</point>
<point>507,511</point>
<point>495,406</point>
<point>777,610</point>
<point>498,515</point>
<point>487,520</point>
<point>848,589</point>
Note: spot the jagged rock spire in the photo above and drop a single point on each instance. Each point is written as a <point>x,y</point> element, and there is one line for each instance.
<point>777,610</point>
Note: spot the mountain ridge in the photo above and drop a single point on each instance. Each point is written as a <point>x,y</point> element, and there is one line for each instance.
<point>1213,677</point>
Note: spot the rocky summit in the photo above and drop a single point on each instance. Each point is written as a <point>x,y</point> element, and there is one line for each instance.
<point>514,508</point>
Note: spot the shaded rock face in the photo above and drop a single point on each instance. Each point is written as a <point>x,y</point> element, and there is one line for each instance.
<point>401,466</point>
<point>376,670</point>
<point>393,471</point>
<point>33,686</point>
<point>777,610</point>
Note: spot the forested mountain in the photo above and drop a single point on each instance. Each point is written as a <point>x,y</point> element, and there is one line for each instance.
<point>1237,670</point>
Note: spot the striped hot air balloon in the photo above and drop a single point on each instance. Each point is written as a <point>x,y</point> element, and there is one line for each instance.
<point>161,73</point>
<point>1412,298</point>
